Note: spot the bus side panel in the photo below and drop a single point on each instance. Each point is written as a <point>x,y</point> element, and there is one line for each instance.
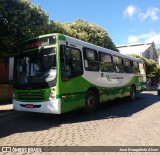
<point>117,92</point>
<point>73,93</point>
<point>126,91</point>
<point>106,95</point>
<point>71,102</point>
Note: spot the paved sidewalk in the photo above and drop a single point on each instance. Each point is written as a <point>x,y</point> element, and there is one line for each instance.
<point>6,109</point>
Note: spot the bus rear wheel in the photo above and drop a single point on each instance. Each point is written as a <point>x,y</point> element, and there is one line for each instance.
<point>132,93</point>
<point>90,102</point>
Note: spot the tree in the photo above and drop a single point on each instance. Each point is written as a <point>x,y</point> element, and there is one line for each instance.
<point>19,20</point>
<point>91,33</point>
<point>54,27</point>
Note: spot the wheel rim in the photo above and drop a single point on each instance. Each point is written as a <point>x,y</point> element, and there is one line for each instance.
<point>90,101</point>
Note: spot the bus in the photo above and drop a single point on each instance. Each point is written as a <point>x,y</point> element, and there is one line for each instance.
<point>55,73</point>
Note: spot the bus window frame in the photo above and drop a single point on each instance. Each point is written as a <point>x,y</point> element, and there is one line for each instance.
<point>85,58</point>
<point>137,68</point>
<point>131,65</point>
<point>99,55</point>
<point>81,61</point>
<point>115,65</point>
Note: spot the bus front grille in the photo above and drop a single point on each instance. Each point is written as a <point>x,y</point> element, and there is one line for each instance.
<point>31,95</point>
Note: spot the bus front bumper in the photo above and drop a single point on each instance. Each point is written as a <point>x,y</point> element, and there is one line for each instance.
<point>52,106</point>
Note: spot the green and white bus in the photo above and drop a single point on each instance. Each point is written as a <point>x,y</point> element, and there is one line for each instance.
<point>55,73</point>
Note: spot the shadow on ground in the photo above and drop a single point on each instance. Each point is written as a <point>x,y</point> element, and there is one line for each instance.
<point>25,122</point>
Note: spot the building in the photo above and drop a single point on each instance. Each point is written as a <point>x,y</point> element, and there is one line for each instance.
<point>6,69</point>
<point>146,50</point>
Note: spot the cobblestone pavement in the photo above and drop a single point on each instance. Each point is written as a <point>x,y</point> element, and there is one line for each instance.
<point>120,123</point>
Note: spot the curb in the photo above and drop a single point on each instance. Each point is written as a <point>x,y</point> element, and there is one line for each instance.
<point>6,113</point>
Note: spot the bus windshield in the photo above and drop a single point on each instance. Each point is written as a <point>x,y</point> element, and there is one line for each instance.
<point>35,66</point>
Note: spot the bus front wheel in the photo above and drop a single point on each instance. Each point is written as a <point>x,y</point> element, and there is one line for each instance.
<point>90,102</point>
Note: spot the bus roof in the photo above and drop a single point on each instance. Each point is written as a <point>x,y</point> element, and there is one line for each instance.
<point>98,48</point>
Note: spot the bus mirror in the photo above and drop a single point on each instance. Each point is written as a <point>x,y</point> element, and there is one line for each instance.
<point>86,63</point>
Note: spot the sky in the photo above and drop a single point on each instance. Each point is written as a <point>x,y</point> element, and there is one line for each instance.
<point>126,21</point>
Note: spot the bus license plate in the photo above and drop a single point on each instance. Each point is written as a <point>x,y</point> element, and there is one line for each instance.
<point>29,105</point>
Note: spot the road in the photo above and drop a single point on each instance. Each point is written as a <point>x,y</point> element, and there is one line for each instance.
<point>119,123</point>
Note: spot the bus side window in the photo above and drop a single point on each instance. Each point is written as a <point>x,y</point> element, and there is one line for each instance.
<point>135,67</point>
<point>106,64</point>
<point>71,62</point>
<point>118,64</point>
<point>90,59</point>
<point>76,62</point>
<point>128,66</point>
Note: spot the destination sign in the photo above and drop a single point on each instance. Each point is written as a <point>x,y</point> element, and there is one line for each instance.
<point>35,43</point>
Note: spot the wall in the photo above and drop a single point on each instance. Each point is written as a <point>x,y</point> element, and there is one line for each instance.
<point>3,72</point>
<point>5,92</point>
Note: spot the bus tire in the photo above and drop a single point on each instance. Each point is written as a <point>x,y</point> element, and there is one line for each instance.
<point>132,93</point>
<point>90,102</point>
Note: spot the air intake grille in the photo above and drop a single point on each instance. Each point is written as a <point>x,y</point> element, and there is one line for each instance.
<point>31,95</point>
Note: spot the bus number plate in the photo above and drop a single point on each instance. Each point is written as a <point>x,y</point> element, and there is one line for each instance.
<point>29,105</point>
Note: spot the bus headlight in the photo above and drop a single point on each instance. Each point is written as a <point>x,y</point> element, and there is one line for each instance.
<point>53,93</point>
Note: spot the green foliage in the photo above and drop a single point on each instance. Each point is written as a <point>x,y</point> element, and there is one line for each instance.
<point>21,20</point>
<point>90,33</point>
<point>152,68</point>
<point>54,27</point>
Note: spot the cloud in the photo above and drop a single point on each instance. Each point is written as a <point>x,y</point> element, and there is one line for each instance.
<point>130,11</point>
<point>155,38</point>
<point>148,37</point>
<point>133,39</point>
<point>152,13</point>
